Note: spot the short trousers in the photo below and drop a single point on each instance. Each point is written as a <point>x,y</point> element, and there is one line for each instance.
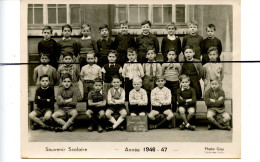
<point>96,110</point>
<point>66,111</point>
<point>218,111</point>
<point>161,109</point>
<point>116,108</point>
<point>137,109</point>
<point>42,111</point>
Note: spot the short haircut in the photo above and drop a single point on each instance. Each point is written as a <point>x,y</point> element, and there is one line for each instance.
<point>123,22</point>
<point>184,76</point>
<point>66,26</point>
<point>137,80</point>
<point>150,48</point>
<point>67,53</point>
<point>171,24</point>
<point>65,76</point>
<point>115,77</point>
<point>131,49</point>
<point>44,54</point>
<point>113,52</point>
<point>212,80</point>
<point>160,77</point>
<point>188,47</point>
<point>47,28</point>
<point>194,23</point>
<point>212,49</point>
<point>91,53</point>
<point>103,27</point>
<point>96,80</point>
<point>171,49</point>
<point>85,25</point>
<point>44,76</point>
<point>146,22</point>
<point>211,26</point>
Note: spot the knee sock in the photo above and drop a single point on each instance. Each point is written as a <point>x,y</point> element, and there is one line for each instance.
<point>67,124</point>
<point>118,122</point>
<point>38,121</point>
<point>213,121</point>
<point>184,119</point>
<point>60,121</point>
<point>112,120</point>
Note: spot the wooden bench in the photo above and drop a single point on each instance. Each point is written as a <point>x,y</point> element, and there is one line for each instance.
<point>201,112</point>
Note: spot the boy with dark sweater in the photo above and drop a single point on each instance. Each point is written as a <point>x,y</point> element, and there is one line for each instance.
<point>66,101</point>
<point>210,41</point>
<point>44,99</point>
<point>146,40</point>
<point>171,41</point>
<point>86,45</point>
<point>187,102</point>
<point>111,69</point>
<point>96,106</point>
<point>193,39</point>
<point>215,99</point>
<point>193,68</point>
<point>104,45</point>
<point>122,42</point>
<point>67,44</point>
<point>49,46</point>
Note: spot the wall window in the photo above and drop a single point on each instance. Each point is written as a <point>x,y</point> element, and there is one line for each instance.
<point>53,14</point>
<point>35,13</point>
<point>157,13</point>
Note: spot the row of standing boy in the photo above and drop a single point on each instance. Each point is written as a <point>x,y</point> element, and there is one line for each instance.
<point>149,71</point>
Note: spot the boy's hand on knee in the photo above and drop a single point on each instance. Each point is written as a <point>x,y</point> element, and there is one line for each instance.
<point>212,100</point>
<point>48,100</point>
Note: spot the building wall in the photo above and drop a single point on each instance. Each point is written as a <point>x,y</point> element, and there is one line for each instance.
<point>96,15</point>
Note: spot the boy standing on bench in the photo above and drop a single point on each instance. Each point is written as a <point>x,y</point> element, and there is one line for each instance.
<point>215,99</point>
<point>161,98</point>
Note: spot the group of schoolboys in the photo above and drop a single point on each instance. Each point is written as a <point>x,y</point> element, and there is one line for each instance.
<point>113,72</point>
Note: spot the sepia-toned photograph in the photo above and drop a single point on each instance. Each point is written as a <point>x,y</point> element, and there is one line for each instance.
<point>130,80</point>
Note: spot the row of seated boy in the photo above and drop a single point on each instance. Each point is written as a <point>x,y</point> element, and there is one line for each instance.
<point>101,106</point>
<point>124,40</point>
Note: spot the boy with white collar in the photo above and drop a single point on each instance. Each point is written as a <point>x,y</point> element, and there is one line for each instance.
<point>131,70</point>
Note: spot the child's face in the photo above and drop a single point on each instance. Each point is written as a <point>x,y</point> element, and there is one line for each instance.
<point>189,53</point>
<point>67,59</point>
<point>171,56</point>
<point>193,29</point>
<point>46,34</point>
<point>98,86</point>
<point>131,56</point>
<point>210,32</point>
<point>150,55</point>
<point>185,83</point>
<point>66,32</point>
<point>171,30</point>
<point>66,82</point>
<point>137,85</point>
<point>214,85</point>
<point>45,82</point>
<point>90,58</point>
<point>213,56</point>
<point>86,31</point>
<point>124,29</point>
<point>146,28</point>
<point>104,32</point>
<point>45,59</point>
<point>116,83</point>
<point>111,58</point>
<point>160,82</point>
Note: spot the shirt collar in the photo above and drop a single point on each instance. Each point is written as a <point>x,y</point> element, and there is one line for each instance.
<point>86,38</point>
<point>106,39</point>
<point>196,35</point>
<point>171,37</point>
<point>133,61</point>
<point>110,64</point>
<point>66,38</point>
<point>46,66</point>
<point>182,89</point>
<point>190,60</point>
<point>45,88</point>
<point>148,35</point>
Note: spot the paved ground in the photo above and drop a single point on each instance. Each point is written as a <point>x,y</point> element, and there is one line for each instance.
<point>80,134</point>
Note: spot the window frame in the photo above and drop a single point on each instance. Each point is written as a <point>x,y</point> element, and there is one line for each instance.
<point>57,25</point>
<point>150,16</point>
